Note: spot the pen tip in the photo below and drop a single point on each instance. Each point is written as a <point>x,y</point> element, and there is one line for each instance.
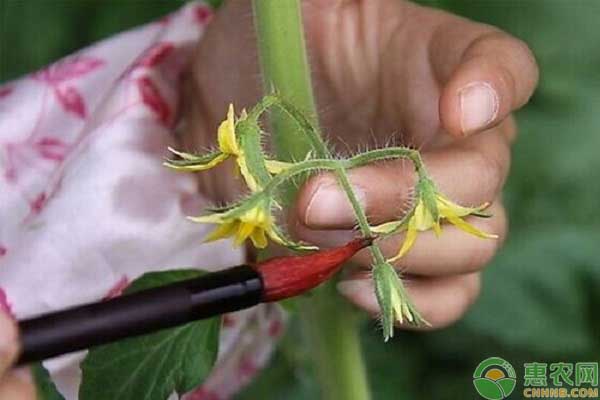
<point>290,276</point>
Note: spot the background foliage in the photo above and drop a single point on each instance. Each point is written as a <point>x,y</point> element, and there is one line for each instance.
<point>541,296</point>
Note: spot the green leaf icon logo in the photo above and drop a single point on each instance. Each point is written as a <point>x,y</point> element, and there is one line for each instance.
<point>488,389</point>
<point>494,378</point>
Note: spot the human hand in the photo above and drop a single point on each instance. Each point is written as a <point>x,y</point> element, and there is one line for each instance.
<point>14,384</point>
<point>387,70</point>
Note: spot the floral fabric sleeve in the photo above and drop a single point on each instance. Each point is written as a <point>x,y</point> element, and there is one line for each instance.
<point>85,204</point>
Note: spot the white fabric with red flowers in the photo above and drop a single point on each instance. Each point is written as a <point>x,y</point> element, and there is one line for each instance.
<point>85,204</point>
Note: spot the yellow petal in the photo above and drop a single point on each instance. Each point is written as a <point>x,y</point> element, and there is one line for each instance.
<point>259,239</point>
<point>221,232</point>
<point>409,240</point>
<point>198,166</point>
<point>396,304</point>
<point>255,216</point>
<point>244,231</point>
<point>446,206</point>
<point>248,178</point>
<point>437,229</point>
<point>226,134</point>
<point>465,226</point>
<point>275,167</point>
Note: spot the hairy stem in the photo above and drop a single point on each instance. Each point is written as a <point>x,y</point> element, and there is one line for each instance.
<point>333,335</point>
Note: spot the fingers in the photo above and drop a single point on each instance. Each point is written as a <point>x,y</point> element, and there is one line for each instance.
<point>17,385</point>
<point>494,75</point>
<point>470,172</point>
<point>441,301</point>
<point>8,343</point>
<point>456,252</point>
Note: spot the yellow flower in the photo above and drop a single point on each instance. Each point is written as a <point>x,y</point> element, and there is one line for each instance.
<point>228,147</point>
<point>226,135</point>
<point>255,223</point>
<point>423,219</point>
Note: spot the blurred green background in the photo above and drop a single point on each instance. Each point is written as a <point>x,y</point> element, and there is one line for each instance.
<point>541,297</point>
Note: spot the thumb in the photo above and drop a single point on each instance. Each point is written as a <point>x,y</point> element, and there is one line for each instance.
<point>8,342</point>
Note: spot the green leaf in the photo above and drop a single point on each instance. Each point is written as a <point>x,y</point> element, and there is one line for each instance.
<point>151,367</point>
<point>44,386</point>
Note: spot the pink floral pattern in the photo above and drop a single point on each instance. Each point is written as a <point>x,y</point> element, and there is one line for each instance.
<point>5,91</point>
<point>203,14</point>
<point>68,69</point>
<point>85,206</point>
<point>71,100</point>
<point>57,75</point>
<point>156,55</point>
<point>51,148</point>
<point>152,98</point>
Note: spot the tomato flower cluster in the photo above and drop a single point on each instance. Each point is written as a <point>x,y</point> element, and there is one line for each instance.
<point>253,218</point>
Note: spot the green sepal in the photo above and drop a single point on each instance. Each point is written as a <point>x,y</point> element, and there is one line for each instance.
<point>427,192</point>
<point>190,160</point>
<point>249,139</point>
<point>383,292</point>
<point>292,245</point>
<point>393,300</point>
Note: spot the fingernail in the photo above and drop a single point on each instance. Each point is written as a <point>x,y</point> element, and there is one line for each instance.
<point>329,206</point>
<point>478,106</point>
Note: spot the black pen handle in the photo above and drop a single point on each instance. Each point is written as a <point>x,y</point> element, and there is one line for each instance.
<point>139,313</point>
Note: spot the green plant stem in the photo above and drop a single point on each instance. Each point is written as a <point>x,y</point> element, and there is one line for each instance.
<point>333,333</point>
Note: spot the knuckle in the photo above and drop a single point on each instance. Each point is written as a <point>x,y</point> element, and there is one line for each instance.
<point>523,74</point>
<point>482,255</point>
<point>467,292</point>
<point>472,289</point>
<point>491,170</point>
<point>523,53</point>
<point>28,392</point>
<point>509,128</point>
